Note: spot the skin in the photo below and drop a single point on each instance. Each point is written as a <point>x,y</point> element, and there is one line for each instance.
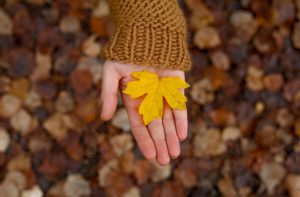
<point>160,139</point>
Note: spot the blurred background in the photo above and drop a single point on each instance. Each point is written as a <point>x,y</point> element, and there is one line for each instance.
<point>244,104</point>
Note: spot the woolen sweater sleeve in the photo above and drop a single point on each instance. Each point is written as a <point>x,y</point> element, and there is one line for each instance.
<point>148,33</point>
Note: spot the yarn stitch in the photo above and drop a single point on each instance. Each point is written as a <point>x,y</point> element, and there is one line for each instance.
<point>148,33</point>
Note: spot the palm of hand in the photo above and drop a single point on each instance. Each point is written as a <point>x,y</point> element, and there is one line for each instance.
<point>160,139</point>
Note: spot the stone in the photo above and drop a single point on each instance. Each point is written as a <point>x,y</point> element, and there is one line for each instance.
<point>64,102</point>
<point>9,105</point>
<point>20,88</point>
<point>121,143</point>
<point>271,175</point>
<point>201,16</point>
<point>244,23</point>
<point>202,92</point>
<point>259,107</point>
<point>87,110</point>
<point>296,35</point>
<point>4,140</point>
<point>132,192</point>
<point>23,122</point>
<point>160,173</point>
<point>91,47</point>
<point>207,37</point>
<point>231,133</point>
<point>102,9</point>
<point>293,185</point>
<point>39,142</point>
<point>17,178</point>
<point>69,24</point>
<point>76,186</point>
<point>254,79</point>
<point>35,191</point>
<point>209,143</point>
<point>6,26</point>
<point>8,189</point>
<point>142,171</point>
<point>273,82</point>
<point>33,100</point>
<point>220,60</point>
<point>94,65</point>
<point>57,126</point>
<point>297,127</point>
<point>20,163</point>
<point>81,81</point>
<point>120,120</point>
<point>43,66</point>
<point>105,170</point>
<point>227,188</point>
<point>284,117</point>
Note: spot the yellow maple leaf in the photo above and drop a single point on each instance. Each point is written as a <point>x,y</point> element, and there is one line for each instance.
<point>155,89</point>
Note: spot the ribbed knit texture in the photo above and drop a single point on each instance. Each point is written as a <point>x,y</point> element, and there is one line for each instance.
<point>148,33</point>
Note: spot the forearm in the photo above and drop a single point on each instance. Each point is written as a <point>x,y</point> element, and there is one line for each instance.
<point>148,33</point>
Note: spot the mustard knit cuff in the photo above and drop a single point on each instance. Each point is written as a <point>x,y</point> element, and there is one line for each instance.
<point>148,33</point>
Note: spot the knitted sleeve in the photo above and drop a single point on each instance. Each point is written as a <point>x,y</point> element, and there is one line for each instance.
<point>148,33</point>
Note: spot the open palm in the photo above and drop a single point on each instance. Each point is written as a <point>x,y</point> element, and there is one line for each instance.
<point>160,139</point>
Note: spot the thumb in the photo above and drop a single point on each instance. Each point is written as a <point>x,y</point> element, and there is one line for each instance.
<point>110,89</point>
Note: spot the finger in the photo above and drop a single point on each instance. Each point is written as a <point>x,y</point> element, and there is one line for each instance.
<point>171,135</point>
<point>139,130</point>
<point>158,135</point>
<point>109,94</point>
<point>181,123</point>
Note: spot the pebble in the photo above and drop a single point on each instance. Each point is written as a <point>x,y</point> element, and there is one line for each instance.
<point>220,60</point>
<point>102,9</point>
<point>43,66</point>
<point>91,47</point>
<point>207,37</point>
<point>35,191</point>
<point>296,35</point>
<point>271,175</point>
<point>4,140</point>
<point>293,185</point>
<point>64,103</point>
<point>254,79</point>
<point>203,92</point>
<point>81,80</point>
<point>9,105</point>
<point>17,178</point>
<point>105,170</point>
<point>160,173</point>
<point>121,143</point>
<point>120,120</point>
<point>297,127</point>
<point>8,189</point>
<point>231,133</point>
<point>94,65</point>
<point>33,100</point>
<point>76,186</point>
<point>6,26</point>
<point>132,192</point>
<point>56,126</point>
<point>284,118</point>
<point>22,122</point>
<point>273,82</point>
<point>20,88</point>
<point>226,187</point>
<point>244,23</point>
<point>69,24</point>
<point>209,143</point>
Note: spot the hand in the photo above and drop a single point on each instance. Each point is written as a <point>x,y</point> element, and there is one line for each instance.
<point>160,139</point>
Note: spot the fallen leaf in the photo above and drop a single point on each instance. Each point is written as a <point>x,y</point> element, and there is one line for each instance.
<point>156,89</point>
